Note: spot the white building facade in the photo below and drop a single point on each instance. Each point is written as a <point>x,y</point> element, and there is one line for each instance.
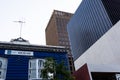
<point>104,55</point>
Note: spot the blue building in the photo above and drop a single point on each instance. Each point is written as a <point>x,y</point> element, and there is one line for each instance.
<point>23,61</point>
<point>92,19</point>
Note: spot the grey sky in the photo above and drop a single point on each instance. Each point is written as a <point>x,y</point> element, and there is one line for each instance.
<point>36,14</point>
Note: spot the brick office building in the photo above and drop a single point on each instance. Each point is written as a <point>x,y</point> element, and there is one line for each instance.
<point>56,32</point>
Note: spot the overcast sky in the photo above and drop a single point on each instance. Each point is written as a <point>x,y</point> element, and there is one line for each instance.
<point>35,13</point>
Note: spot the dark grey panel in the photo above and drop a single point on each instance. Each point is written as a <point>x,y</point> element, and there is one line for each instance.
<point>113,9</point>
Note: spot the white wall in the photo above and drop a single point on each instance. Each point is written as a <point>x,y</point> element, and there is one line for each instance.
<point>106,51</point>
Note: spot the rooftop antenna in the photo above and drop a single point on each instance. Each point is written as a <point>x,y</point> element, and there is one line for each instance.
<point>21,23</point>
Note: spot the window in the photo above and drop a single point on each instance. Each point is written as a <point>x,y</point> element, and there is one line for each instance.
<point>3,68</point>
<point>35,66</point>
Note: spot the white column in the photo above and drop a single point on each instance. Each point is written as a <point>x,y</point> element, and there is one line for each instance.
<point>37,68</point>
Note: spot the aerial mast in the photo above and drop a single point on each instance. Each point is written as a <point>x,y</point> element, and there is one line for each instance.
<point>21,24</point>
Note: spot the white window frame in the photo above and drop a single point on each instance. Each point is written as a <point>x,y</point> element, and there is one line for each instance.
<point>3,68</point>
<point>35,67</point>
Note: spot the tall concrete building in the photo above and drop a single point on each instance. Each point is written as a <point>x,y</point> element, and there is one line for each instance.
<point>56,32</point>
<point>92,19</point>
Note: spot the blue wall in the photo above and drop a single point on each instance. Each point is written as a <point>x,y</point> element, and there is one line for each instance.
<point>17,68</point>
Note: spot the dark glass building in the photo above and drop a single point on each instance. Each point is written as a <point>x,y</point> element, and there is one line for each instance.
<point>92,19</point>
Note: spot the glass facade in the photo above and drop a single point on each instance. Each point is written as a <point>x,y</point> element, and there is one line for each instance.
<point>113,9</point>
<point>61,23</point>
<point>88,24</point>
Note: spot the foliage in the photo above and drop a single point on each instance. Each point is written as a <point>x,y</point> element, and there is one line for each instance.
<point>48,68</point>
<point>58,70</point>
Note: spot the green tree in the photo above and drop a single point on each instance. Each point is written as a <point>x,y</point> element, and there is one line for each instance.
<point>49,67</point>
<point>58,70</point>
